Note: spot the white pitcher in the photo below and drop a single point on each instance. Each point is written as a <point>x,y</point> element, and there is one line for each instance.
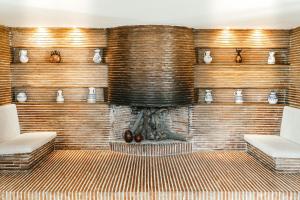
<point>97,56</point>
<point>271,58</point>
<point>207,57</point>
<point>92,95</point>
<point>60,97</point>
<point>208,96</point>
<point>238,96</point>
<point>23,56</point>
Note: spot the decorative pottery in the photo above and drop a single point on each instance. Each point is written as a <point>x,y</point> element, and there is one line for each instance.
<point>238,58</point>
<point>208,96</point>
<point>238,96</point>
<point>55,57</point>
<point>272,98</point>
<point>21,97</point>
<point>128,136</point>
<point>207,57</point>
<point>271,58</point>
<point>59,97</point>
<point>23,56</point>
<point>97,56</point>
<point>138,137</point>
<point>91,98</point>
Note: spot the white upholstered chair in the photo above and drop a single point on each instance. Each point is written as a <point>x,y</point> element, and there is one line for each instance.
<point>282,151</point>
<point>11,139</point>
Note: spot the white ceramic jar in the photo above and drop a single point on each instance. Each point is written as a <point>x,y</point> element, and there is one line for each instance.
<point>207,58</point>
<point>60,97</point>
<point>22,97</point>
<point>23,56</point>
<point>272,98</point>
<point>208,96</point>
<point>271,58</point>
<point>97,56</point>
<point>238,96</point>
<point>91,98</point>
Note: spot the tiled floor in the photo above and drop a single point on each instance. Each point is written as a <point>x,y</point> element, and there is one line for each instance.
<point>107,175</point>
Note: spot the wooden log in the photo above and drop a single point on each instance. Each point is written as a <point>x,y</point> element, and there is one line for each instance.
<point>151,123</point>
<point>137,122</point>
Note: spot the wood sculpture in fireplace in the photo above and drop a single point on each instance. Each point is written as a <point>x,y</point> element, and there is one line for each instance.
<point>151,124</point>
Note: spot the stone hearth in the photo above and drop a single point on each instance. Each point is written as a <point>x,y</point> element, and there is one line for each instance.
<point>152,148</point>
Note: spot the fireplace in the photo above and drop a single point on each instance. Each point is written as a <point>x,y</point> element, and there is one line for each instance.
<point>151,82</point>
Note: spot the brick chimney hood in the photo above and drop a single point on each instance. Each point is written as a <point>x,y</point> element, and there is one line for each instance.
<point>151,66</point>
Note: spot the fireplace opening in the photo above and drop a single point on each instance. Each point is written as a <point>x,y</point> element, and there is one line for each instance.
<point>151,124</point>
<point>165,130</point>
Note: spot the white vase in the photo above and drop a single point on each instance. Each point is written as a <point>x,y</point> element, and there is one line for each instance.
<point>21,97</point>
<point>272,98</point>
<point>97,56</point>
<point>208,96</point>
<point>91,98</point>
<point>59,96</point>
<point>207,57</point>
<point>271,58</point>
<point>238,96</point>
<point>23,56</point>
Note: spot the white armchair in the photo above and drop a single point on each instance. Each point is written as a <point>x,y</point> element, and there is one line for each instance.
<point>13,143</point>
<point>279,152</point>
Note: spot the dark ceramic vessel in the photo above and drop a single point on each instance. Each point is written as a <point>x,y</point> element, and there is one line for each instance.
<point>138,137</point>
<point>238,58</point>
<point>128,136</point>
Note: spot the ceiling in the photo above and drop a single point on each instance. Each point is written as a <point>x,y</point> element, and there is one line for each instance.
<point>278,14</point>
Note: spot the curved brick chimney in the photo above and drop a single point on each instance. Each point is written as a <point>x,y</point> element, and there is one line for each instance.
<point>151,66</point>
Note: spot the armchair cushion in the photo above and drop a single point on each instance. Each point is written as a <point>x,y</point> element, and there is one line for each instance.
<point>26,143</point>
<point>274,146</point>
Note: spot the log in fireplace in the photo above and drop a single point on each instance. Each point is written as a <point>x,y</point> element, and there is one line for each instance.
<point>151,123</point>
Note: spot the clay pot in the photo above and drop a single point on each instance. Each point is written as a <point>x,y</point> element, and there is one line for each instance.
<point>138,137</point>
<point>55,57</point>
<point>238,58</point>
<point>128,136</point>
